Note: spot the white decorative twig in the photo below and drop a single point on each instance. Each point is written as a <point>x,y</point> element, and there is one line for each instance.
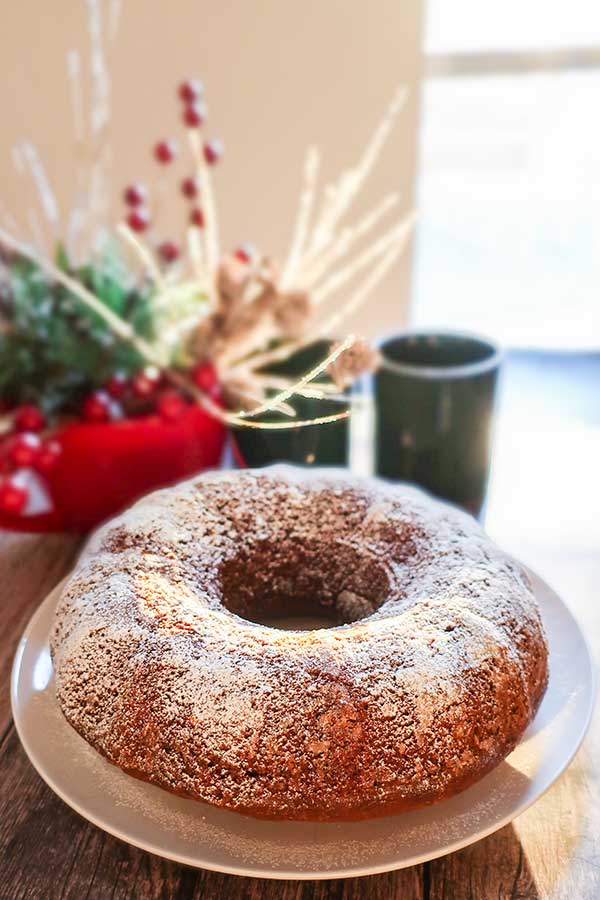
<point>194,245</point>
<point>259,361</point>
<point>144,254</point>
<point>396,235</point>
<point>74,74</point>
<point>305,206</point>
<point>344,242</point>
<point>332,324</point>
<point>260,335</point>
<point>100,105</point>
<point>33,200</point>
<point>77,215</point>
<point>98,201</point>
<point>211,228</point>
<point>351,181</point>
<point>36,230</point>
<point>287,392</point>
<point>280,381</point>
<point>46,197</point>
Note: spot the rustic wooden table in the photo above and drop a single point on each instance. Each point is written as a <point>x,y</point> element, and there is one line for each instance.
<point>48,852</point>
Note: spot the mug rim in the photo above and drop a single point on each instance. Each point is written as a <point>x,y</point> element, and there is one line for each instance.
<point>462,370</point>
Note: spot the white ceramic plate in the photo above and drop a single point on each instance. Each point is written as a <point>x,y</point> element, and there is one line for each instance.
<point>200,835</point>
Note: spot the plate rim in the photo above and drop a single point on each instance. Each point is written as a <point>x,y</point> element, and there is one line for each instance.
<point>305,875</point>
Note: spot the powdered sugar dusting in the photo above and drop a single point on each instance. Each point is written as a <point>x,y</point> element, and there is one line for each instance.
<point>158,667</point>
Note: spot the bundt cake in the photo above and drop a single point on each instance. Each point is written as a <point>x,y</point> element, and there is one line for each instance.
<point>434,664</point>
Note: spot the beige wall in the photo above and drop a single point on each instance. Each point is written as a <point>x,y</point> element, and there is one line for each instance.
<point>279,74</point>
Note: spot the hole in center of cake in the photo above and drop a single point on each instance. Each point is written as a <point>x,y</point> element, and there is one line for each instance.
<point>303,585</point>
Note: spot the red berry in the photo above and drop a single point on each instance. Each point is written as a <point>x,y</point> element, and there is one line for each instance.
<point>145,383</point>
<point>204,376</point>
<point>48,456</point>
<point>138,219</point>
<point>190,90</point>
<point>165,151</point>
<point>135,194</point>
<point>13,497</point>
<point>24,450</point>
<point>171,406</point>
<point>116,385</point>
<point>98,407</point>
<point>169,251</point>
<point>189,188</point>
<point>213,151</point>
<point>197,217</point>
<point>29,418</point>
<point>246,253</point>
<point>194,114</point>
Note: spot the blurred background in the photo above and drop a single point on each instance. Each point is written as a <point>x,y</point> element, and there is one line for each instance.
<point>498,148</point>
<point>508,171</point>
<point>278,77</point>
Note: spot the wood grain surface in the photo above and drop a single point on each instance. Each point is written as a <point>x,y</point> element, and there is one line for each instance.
<point>48,852</point>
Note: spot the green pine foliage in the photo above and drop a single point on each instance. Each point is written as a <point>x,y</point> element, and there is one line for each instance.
<point>53,349</point>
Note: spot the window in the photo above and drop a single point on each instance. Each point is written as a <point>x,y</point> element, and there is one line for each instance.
<point>509,190</point>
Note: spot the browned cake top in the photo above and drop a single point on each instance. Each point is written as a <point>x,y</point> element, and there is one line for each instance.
<point>435,671</point>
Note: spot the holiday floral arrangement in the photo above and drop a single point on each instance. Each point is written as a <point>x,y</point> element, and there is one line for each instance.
<point>125,356</point>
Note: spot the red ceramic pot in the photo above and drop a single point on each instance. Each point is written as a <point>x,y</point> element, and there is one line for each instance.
<point>103,468</point>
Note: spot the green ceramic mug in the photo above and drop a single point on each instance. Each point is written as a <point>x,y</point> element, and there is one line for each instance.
<point>434,402</point>
<point>314,445</point>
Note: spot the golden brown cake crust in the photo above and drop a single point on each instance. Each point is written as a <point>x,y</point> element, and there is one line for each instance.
<point>437,672</point>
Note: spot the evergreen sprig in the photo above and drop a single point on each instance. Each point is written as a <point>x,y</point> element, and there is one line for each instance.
<point>53,349</point>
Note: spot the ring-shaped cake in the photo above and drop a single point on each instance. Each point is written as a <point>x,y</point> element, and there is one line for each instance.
<point>165,661</point>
